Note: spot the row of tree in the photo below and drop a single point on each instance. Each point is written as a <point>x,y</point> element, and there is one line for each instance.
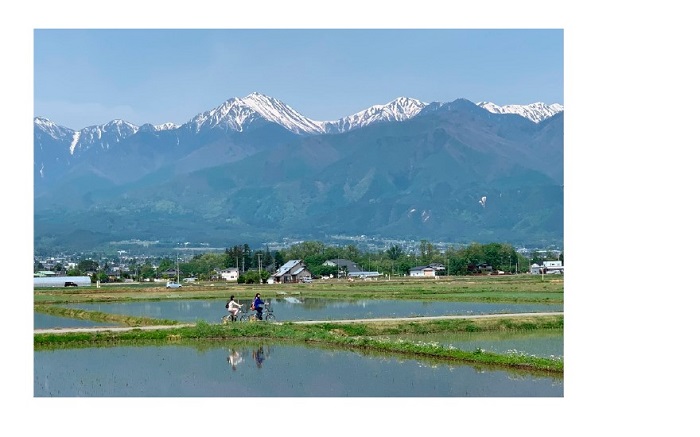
<point>257,265</point>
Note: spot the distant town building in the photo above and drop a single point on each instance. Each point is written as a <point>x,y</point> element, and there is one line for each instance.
<point>345,266</point>
<point>230,274</point>
<point>553,267</point>
<point>363,274</point>
<point>291,271</point>
<point>422,271</point>
<point>547,267</point>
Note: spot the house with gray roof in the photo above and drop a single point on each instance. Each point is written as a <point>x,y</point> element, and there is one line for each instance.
<point>344,266</point>
<point>292,271</point>
<point>422,271</point>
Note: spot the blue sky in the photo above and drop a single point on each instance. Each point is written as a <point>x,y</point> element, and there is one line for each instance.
<point>85,77</point>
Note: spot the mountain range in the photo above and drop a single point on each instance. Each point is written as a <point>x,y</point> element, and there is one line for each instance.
<point>253,170</point>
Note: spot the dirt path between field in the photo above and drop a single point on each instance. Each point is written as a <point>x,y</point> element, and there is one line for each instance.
<point>301,322</point>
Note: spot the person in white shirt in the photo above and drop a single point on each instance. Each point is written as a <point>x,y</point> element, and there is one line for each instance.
<point>232,306</point>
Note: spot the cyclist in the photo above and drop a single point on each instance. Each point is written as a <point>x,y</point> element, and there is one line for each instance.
<point>257,305</point>
<point>232,306</point>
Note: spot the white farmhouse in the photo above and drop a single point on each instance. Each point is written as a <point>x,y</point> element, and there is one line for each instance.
<point>553,267</point>
<point>547,267</point>
<point>422,271</point>
<point>230,274</point>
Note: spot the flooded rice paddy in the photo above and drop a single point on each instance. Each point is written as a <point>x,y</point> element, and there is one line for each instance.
<point>47,321</point>
<point>245,369</point>
<point>298,309</point>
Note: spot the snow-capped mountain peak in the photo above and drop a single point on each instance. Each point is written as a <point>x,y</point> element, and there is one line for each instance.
<point>534,111</point>
<point>103,136</point>
<point>399,109</point>
<point>52,129</point>
<point>238,113</point>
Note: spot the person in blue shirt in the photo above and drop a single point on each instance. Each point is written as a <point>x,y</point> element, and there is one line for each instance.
<point>258,306</point>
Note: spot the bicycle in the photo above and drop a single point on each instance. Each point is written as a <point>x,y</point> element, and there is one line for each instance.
<point>267,314</point>
<point>240,316</point>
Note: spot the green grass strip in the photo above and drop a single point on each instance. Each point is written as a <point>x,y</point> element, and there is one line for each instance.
<point>363,336</point>
<point>97,316</point>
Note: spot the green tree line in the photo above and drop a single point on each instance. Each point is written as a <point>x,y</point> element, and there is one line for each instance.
<point>257,265</point>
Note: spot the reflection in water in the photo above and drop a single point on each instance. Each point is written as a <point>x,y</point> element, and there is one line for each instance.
<point>295,370</point>
<point>234,358</point>
<point>259,356</point>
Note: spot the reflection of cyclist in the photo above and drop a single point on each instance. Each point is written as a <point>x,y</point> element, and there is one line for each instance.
<point>259,356</point>
<point>234,358</point>
<point>232,306</point>
<point>257,305</point>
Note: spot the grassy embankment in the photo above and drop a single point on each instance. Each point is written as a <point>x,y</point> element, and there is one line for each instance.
<point>363,336</point>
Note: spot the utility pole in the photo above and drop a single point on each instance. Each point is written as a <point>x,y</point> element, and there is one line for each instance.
<point>259,272</point>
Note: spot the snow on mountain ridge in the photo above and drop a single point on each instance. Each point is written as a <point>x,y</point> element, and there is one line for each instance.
<point>399,109</point>
<point>102,135</point>
<point>52,129</point>
<point>274,110</point>
<point>534,111</point>
<point>74,142</point>
<point>237,113</point>
<point>166,126</point>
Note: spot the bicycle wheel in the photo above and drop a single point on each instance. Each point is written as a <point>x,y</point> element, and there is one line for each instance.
<point>269,317</point>
<point>226,319</point>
